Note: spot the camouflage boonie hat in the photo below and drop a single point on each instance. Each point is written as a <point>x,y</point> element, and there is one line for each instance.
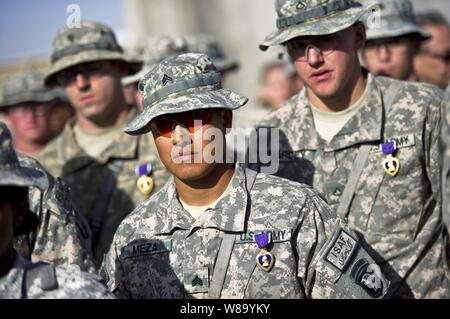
<point>396,18</point>
<point>155,50</point>
<point>92,41</point>
<point>13,174</point>
<point>29,87</point>
<point>203,43</point>
<point>310,18</point>
<point>178,84</point>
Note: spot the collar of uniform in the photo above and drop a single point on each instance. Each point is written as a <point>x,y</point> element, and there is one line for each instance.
<point>228,214</point>
<point>365,126</point>
<point>11,282</point>
<point>126,147</point>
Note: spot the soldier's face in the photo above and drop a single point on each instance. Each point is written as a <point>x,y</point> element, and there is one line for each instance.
<point>328,65</point>
<point>391,57</point>
<point>432,64</point>
<point>30,122</point>
<point>94,89</point>
<point>191,151</point>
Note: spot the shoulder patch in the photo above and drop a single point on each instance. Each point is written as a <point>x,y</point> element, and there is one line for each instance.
<point>369,277</point>
<point>146,247</point>
<point>341,250</point>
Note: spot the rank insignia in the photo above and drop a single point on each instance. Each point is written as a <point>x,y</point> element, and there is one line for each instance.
<point>265,260</point>
<point>144,183</point>
<point>391,164</point>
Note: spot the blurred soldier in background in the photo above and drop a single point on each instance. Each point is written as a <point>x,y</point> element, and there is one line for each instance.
<point>370,144</point>
<point>432,64</point>
<point>209,45</point>
<point>108,172</point>
<point>20,278</point>
<point>154,50</point>
<point>194,238</point>
<point>278,82</point>
<point>391,47</point>
<point>29,107</point>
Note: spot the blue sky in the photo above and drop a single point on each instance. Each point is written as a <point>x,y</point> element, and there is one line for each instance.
<point>27,26</point>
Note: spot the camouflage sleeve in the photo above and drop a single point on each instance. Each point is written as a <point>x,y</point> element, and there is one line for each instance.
<point>332,263</point>
<point>432,131</point>
<point>71,284</point>
<point>63,236</point>
<point>112,272</point>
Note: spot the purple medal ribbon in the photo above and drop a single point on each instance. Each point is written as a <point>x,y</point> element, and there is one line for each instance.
<point>143,169</point>
<point>389,147</point>
<point>262,240</point>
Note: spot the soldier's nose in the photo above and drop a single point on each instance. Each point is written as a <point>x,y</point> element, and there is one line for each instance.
<point>180,135</point>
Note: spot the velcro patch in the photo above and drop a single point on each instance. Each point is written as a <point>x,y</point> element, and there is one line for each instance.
<point>277,235</point>
<point>341,250</point>
<point>196,281</point>
<point>146,247</point>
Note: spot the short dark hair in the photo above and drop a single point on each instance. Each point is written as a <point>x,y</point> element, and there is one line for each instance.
<point>433,18</point>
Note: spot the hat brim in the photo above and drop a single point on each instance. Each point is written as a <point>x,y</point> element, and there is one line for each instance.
<point>332,23</point>
<point>392,32</point>
<point>84,57</point>
<point>221,98</point>
<point>21,177</point>
<point>226,65</point>
<point>29,97</point>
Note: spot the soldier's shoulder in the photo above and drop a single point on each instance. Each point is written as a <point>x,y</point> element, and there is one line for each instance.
<point>145,218</point>
<point>418,93</point>
<point>288,193</point>
<point>49,154</point>
<point>278,116</point>
<point>74,283</point>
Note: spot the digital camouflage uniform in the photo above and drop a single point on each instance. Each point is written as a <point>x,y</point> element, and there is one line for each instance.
<point>37,280</point>
<point>103,189</point>
<point>398,217</point>
<point>445,143</point>
<point>161,251</point>
<point>64,283</point>
<point>62,236</point>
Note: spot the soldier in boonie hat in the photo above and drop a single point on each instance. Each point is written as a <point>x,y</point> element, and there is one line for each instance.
<point>26,99</point>
<point>13,177</point>
<point>92,41</point>
<point>311,18</point>
<point>179,84</point>
<point>393,39</point>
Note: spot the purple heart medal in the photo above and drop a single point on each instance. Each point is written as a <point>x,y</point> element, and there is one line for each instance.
<point>264,259</point>
<point>391,164</point>
<point>144,183</point>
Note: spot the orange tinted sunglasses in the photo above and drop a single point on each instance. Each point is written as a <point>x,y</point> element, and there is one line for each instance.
<point>164,125</point>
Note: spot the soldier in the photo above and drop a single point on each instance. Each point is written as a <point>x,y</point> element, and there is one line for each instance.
<point>108,172</point>
<point>217,230</point>
<point>392,45</point>
<point>370,144</point>
<point>28,106</point>
<point>209,45</point>
<point>20,278</point>
<point>445,144</point>
<point>432,64</point>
